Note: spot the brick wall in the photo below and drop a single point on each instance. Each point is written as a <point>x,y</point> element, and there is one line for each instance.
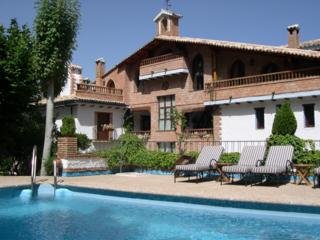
<point>217,63</point>
<point>67,147</point>
<point>284,86</point>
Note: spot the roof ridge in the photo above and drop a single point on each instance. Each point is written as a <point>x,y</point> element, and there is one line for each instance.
<point>243,46</point>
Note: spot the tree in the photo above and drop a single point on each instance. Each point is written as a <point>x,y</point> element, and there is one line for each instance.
<point>284,122</point>
<point>56,27</point>
<point>20,122</point>
<point>128,121</point>
<point>179,121</point>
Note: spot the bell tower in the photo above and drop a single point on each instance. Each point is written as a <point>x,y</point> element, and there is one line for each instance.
<point>167,23</point>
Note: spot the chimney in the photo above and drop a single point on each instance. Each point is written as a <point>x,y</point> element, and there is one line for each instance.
<point>293,36</point>
<point>167,23</point>
<point>75,75</point>
<point>100,70</point>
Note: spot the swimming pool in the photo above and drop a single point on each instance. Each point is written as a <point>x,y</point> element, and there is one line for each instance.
<point>81,214</point>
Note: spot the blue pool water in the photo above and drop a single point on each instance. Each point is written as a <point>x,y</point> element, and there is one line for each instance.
<point>79,215</point>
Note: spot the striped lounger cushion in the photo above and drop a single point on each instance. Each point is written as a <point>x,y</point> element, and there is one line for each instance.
<point>248,159</point>
<point>276,161</point>
<point>204,160</point>
<point>192,167</point>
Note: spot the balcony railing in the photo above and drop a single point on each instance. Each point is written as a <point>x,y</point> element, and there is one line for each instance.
<point>103,93</point>
<point>160,58</point>
<point>142,134</point>
<point>98,89</point>
<point>264,78</point>
<point>167,64</point>
<point>199,133</point>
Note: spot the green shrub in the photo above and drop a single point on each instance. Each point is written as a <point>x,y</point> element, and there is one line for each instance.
<point>122,154</point>
<point>130,143</point>
<point>232,157</point>
<point>310,157</point>
<point>113,157</point>
<point>68,128</point>
<point>296,142</point>
<point>83,141</point>
<point>154,160</point>
<point>284,122</point>
<point>139,158</point>
<point>193,154</point>
<point>6,165</point>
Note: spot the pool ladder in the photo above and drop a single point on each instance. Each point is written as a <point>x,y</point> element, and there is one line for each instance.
<point>33,168</point>
<point>34,171</point>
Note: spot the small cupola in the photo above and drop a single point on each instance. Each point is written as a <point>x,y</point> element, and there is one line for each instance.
<point>167,23</point>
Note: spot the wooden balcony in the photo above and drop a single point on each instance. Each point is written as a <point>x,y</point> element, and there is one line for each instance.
<point>99,92</point>
<point>264,78</point>
<point>301,80</point>
<point>164,65</point>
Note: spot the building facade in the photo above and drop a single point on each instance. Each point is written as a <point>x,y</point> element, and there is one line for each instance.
<point>227,91</point>
<point>97,109</point>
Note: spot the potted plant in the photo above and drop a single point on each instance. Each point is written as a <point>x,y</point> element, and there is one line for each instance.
<point>108,127</point>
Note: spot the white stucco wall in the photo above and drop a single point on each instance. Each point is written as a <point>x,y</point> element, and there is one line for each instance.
<point>66,90</point>
<point>85,118</point>
<point>61,112</point>
<point>238,122</point>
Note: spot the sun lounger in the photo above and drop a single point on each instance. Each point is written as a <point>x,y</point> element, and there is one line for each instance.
<point>206,161</point>
<point>278,162</point>
<point>251,156</point>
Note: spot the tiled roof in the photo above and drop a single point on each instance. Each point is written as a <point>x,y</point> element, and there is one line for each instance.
<point>243,46</point>
<point>311,45</point>
<point>282,50</point>
<point>73,98</point>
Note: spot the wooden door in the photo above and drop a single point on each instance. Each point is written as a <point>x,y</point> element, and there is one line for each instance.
<point>103,119</point>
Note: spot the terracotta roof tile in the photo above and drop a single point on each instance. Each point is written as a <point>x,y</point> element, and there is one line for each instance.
<point>70,98</point>
<point>243,46</point>
<point>311,44</point>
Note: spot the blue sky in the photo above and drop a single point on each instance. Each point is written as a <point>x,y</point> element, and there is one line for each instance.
<point>115,29</point>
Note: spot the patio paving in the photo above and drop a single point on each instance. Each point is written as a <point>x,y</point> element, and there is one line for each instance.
<point>289,193</point>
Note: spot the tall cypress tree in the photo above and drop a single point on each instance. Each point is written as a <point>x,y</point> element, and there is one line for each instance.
<point>284,122</point>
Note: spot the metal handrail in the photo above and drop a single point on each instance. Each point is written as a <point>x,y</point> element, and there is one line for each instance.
<point>55,174</point>
<point>34,165</point>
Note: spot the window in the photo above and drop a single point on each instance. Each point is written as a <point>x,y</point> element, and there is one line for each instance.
<point>259,118</point>
<point>308,110</point>
<point>145,122</point>
<point>110,84</point>
<point>237,69</point>
<point>166,106</point>
<point>197,72</point>
<point>165,24</point>
<point>269,68</point>
<point>166,146</point>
